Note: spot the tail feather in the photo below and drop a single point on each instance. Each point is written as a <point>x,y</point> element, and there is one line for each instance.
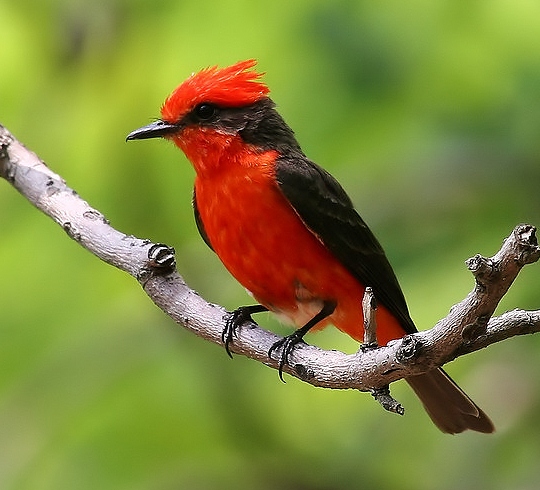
<point>448,405</point>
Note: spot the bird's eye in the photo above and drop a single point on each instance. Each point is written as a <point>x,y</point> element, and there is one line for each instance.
<point>205,111</point>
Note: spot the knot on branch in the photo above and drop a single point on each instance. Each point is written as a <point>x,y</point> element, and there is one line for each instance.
<point>161,262</point>
<point>410,348</point>
<point>303,372</point>
<point>93,215</point>
<point>6,170</point>
<point>474,330</point>
<point>483,269</point>
<point>527,249</point>
<point>72,231</point>
<point>161,258</point>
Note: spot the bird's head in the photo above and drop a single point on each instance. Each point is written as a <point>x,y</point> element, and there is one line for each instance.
<point>216,106</point>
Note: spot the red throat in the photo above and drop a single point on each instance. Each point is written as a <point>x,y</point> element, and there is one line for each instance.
<point>212,152</point>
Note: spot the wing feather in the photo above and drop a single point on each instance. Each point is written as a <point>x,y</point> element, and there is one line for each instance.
<point>326,209</point>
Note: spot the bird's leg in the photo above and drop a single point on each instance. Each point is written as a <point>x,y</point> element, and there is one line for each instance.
<point>235,319</point>
<point>286,344</point>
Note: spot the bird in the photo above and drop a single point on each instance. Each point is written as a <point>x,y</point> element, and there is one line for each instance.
<point>286,229</point>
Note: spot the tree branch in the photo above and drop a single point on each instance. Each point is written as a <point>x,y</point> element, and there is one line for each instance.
<point>467,328</point>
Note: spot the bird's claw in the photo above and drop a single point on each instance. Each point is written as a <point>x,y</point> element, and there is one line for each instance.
<point>232,322</point>
<point>236,319</point>
<point>229,332</point>
<point>286,345</point>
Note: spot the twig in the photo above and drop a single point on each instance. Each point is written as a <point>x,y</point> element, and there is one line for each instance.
<point>466,329</point>
<point>369,308</point>
<point>390,404</point>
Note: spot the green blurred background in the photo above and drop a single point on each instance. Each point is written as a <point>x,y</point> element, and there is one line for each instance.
<point>427,111</point>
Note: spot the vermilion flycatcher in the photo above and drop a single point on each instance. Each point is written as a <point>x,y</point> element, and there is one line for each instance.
<point>285,228</point>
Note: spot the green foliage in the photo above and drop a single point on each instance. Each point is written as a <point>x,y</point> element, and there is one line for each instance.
<point>427,111</point>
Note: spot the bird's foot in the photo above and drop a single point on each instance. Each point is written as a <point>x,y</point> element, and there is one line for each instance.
<point>286,345</point>
<point>236,319</point>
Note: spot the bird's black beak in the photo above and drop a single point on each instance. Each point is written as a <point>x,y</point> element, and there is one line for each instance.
<point>156,129</point>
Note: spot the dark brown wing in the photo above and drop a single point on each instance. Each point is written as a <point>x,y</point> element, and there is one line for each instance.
<point>199,223</point>
<point>326,209</point>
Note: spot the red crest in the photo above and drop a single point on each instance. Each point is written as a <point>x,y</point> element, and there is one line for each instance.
<point>233,86</point>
